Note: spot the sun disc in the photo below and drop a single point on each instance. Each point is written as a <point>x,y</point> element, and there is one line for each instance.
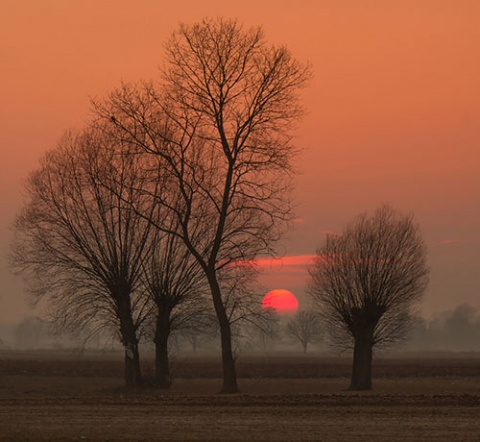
<point>281,300</point>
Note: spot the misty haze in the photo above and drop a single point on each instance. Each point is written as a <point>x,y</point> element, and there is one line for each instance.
<point>249,221</point>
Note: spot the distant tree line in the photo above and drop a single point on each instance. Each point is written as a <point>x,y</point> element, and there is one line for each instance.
<point>456,330</point>
<point>452,330</point>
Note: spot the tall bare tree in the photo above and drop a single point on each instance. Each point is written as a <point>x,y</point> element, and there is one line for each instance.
<point>365,283</point>
<point>82,247</point>
<point>221,128</point>
<point>305,328</point>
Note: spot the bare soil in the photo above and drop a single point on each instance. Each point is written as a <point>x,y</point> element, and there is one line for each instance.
<point>284,398</point>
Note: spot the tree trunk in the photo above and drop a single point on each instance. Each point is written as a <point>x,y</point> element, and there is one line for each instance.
<point>162,365</point>
<point>194,344</point>
<point>133,376</point>
<point>230,384</point>
<point>304,345</point>
<point>362,362</point>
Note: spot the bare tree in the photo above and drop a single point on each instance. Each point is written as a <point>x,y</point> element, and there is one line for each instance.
<point>177,287</point>
<point>82,247</point>
<point>221,128</point>
<point>305,327</point>
<point>262,332</point>
<point>199,330</point>
<point>365,283</point>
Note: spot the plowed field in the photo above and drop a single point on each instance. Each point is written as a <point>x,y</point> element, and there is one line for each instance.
<point>287,398</point>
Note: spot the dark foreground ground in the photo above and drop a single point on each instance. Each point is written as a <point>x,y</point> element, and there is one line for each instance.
<point>284,398</point>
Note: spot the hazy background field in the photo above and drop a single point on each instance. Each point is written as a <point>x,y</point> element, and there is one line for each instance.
<point>456,330</point>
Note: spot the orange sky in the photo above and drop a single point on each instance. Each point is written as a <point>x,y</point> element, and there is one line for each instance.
<point>393,110</point>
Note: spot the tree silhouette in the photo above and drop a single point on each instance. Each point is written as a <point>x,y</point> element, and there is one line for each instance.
<point>305,327</point>
<point>81,246</point>
<point>176,285</point>
<point>365,282</point>
<point>220,128</point>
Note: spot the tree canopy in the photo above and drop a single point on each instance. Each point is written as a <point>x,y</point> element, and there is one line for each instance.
<point>365,282</point>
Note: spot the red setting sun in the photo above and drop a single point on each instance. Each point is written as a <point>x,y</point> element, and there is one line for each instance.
<point>282,301</point>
